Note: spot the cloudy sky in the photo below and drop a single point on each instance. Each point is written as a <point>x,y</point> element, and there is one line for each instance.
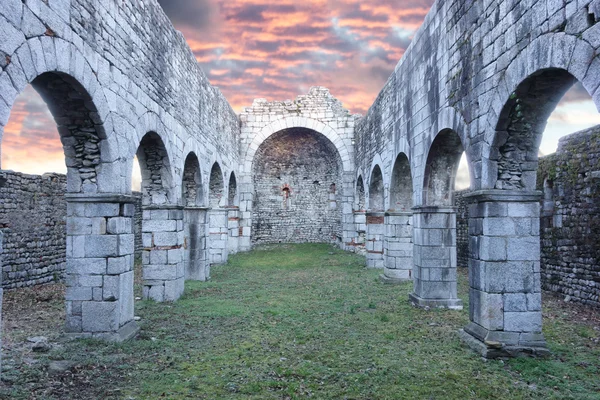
<point>277,50</point>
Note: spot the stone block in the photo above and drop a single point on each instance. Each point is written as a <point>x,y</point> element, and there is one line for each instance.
<point>173,289</point>
<point>101,246</point>
<point>126,300</point>
<point>159,225</point>
<point>523,322</point>
<point>111,287</point>
<point>119,265</point>
<point>86,266</point>
<point>78,294</point>
<point>486,309</point>
<point>100,316</point>
<point>166,239</point>
<point>515,302</point>
<point>119,225</point>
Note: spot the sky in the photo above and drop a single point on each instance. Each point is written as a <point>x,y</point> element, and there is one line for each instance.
<point>278,50</point>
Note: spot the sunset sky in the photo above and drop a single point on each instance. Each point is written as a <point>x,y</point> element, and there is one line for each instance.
<point>277,50</point>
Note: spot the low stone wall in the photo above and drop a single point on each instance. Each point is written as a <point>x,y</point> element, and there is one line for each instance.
<point>570,222</point>
<point>32,218</point>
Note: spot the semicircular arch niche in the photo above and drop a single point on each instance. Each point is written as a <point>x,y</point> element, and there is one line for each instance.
<point>376,194</point>
<point>232,196</point>
<point>360,194</point>
<point>155,169</point>
<point>191,189</point>
<point>440,171</point>
<point>401,189</point>
<point>216,187</point>
<point>296,175</point>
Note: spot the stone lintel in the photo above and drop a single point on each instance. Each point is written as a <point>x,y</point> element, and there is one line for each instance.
<point>370,213</point>
<point>501,344</point>
<point>194,208</point>
<point>391,213</point>
<point>434,210</point>
<point>163,207</point>
<point>100,198</point>
<point>506,196</point>
<point>452,304</point>
<point>360,212</point>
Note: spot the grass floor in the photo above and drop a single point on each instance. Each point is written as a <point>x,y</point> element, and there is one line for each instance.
<point>300,321</point>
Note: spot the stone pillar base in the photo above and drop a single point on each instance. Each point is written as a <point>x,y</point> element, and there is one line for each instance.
<point>500,344</point>
<point>125,333</point>
<point>451,304</point>
<point>395,276</point>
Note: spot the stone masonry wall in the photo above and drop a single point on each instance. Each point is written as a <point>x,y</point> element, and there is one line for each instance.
<point>462,228</point>
<point>296,176</point>
<point>570,218</point>
<point>33,220</point>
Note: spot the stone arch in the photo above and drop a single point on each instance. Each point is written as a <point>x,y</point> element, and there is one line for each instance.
<point>360,202</point>
<point>440,168</point>
<point>521,98</point>
<point>232,193</point>
<point>376,189</point>
<point>299,122</point>
<point>151,123</point>
<point>191,188</point>
<point>401,186</point>
<point>157,178</point>
<point>216,186</point>
<point>78,106</point>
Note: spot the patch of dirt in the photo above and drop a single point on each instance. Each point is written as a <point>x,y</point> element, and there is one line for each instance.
<point>555,307</point>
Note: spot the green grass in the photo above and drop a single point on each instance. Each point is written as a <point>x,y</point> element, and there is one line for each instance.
<point>298,321</point>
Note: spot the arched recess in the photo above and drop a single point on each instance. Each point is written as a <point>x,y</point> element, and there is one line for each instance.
<point>155,166</point>
<point>526,95</point>
<point>401,189</point>
<point>440,169</point>
<point>191,188</point>
<point>521,124</point>
<point>216,187</point>
<point>296,123</point>
<point>376,190</point>
<point>295,177</point>
<point>232,195</point>
<point>360,194</point>
<point>78,107</point>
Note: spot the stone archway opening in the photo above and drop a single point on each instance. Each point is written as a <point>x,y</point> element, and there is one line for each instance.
<point>360,195</point>
<point>293,173</point>
<point>55,117</point>
<point>376,190</point>
<point>398,241</point>
<point>216,187</point>
<point>195,217</point>
<point>440,170</point>
<point>232,194</point>
<point>162,238</point>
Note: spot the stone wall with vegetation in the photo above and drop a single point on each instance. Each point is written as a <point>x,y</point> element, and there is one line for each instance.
<point>570,222</point>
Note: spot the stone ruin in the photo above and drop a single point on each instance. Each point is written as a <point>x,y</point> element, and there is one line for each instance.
<point>479,77</point>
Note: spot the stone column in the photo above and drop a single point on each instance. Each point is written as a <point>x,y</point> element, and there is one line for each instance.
<point>346,198</point>
<point>357,242</point>
<point>434,256</point>
<point>162,255</point>
<point>398,247</point>
<point>374,238</point>
<point>195,228</point>
<point>218,235</point>
<point>504,273</point>
<point>233,226</point>
<point>99,273</point>
<point>245,223</point>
